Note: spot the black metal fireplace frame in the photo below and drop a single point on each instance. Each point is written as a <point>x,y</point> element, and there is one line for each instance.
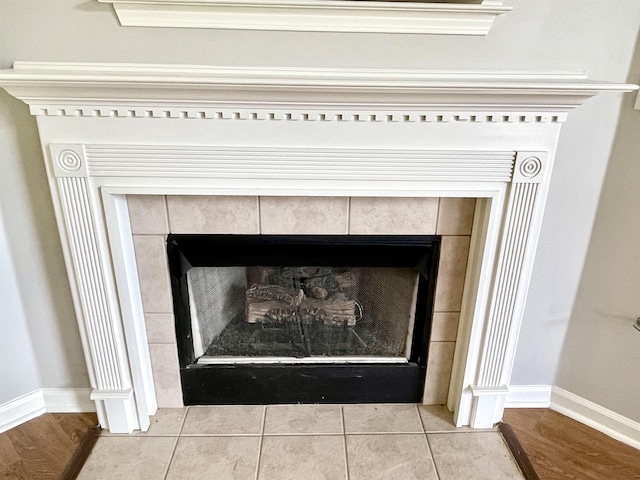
<point>221,384</point>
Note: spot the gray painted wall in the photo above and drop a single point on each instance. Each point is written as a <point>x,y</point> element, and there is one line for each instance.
<point>601,356</point>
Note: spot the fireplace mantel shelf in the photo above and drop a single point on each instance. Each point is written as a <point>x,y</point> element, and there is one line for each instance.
<point>93,89</point>
<point>353,16</point>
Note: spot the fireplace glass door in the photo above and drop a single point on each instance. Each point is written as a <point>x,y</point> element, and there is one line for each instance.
<point>294,319</point>
<point>298,314</point>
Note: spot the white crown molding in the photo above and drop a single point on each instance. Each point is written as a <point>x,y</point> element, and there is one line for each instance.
<point>313,15</point>
<point>293,94</point>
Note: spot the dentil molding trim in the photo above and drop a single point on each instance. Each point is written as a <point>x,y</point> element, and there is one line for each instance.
<point>298,94</point>
<point>451,18</point>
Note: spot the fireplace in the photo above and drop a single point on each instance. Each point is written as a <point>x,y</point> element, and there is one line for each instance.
<point>302,319</point>
<point>342,135</point>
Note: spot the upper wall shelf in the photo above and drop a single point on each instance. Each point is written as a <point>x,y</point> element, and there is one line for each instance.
<point>459,17</point>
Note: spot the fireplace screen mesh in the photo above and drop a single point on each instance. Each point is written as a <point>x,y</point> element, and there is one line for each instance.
<point>306,313</point>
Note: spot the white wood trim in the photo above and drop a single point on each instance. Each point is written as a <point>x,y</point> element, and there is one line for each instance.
<point>68,400</point>
<point>596,416</point>
<point>21,410</point>
<point>312,15</point>
<point>297,94</point>
<point>528,396</point>
<point>44,400</point>
<point>236,163</point>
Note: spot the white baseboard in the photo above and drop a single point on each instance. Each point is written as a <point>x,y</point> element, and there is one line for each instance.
<point>21,410</point>
<point>68,400</point>
<point>595,416</point>
<point>528,396</point>
<point>52,400</point>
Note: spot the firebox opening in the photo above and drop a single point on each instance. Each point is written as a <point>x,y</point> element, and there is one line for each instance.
<point>338,309</point>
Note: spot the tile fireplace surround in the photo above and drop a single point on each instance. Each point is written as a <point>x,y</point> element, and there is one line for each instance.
<point>108,131</point>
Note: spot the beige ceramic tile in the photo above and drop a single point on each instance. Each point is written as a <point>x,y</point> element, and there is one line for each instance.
<point>444,327</point>
<point>302,457</point>
<point>147,214</point>
<point>166,422</point>
<point>455,216</point>
<point>166,375</point>
<point>454,252</point>
<point>439,366</point>
<point>153,273</point>
<point>472,456</point>
<point>436,418</point>
<point>213,214</point>
<point>128,458</point>
<point>224,420</point>
<point>387,418</point>
<point>389,457</point>
<point>304,215</point>
<point>288,419</point>
<point>387,216</point>
<point>219,458</point>
<point>160,327</point>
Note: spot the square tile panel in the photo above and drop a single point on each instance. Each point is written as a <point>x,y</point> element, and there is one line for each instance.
<point>302,457</point>
<point>219,458</point>
<point>224,420</point>
<point>166,374</point>
<point>454,252</point>
<point>472,455</point>
<point>439,365</point>
<point>153,273</point>
<point>436,418</point>
<point>444,327</point>
<point>128,458</point>
<point>389,457</point>
<point>213,214</point>
<point>381,418</point>
<point>393,216</point>
<point>166,422</point>
<point>147,214</point>
<point>455,216</point>
<point>160,327</point>
<point>304,215</point>
<point>290,419</point>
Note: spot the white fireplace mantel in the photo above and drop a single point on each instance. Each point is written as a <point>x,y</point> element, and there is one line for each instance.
<point>110,130</point>
<point>449,17</point>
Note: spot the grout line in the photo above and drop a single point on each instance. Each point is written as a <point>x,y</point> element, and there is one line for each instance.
<point>420,418</point>
<point>438,202</point>
<point>184,420</point>
<point>166,212</point>
<point>259,200</point>
<point>173,452</point>
<point>348,215</point>
<point>382,433</point>
<point>175,445</point>
<point>433,460</point>
<point>344,444</point>
<point>264,419</point>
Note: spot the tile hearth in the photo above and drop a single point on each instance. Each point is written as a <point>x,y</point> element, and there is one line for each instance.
<point>325,442</point>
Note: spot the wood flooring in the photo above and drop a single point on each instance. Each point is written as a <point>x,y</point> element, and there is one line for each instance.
<point>561,448</point>
<point>41,448</point>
